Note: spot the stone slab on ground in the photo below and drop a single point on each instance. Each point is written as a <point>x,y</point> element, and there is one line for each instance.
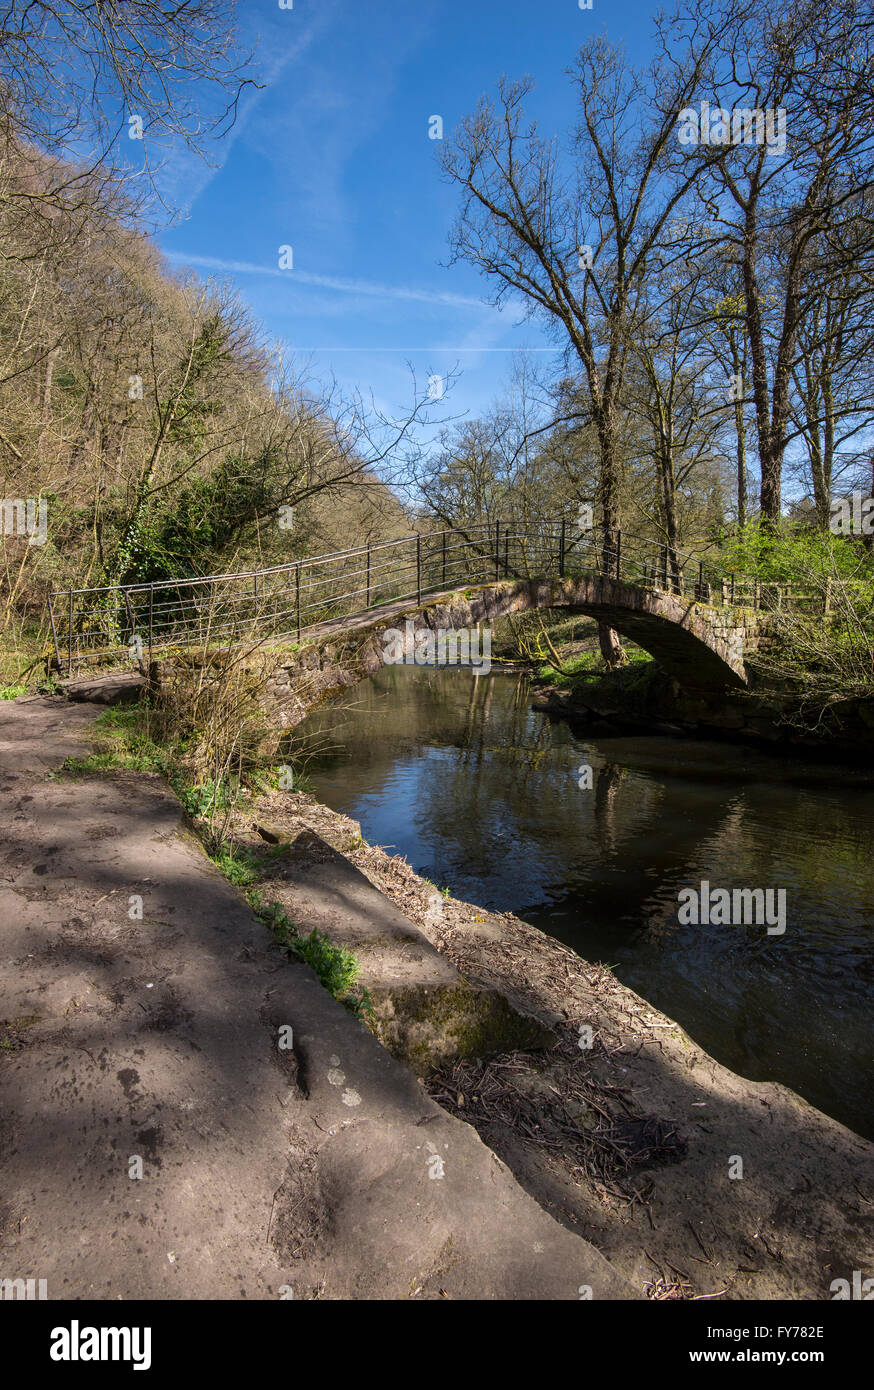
<point>119,688</point>
<point>425,1011</point>
<point>156,1038</point>
<point>678,1218</point>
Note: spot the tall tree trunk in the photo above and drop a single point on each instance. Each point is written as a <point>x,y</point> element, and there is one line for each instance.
<point>772,423</point>
<point>817,472</point>
<point>772,467</point>
<point>669,503</point>
<point>868,541</point>
<point>46,404</point>
<point>608,639</point>
<point>740,433</point>
<point>741,465</point>
<point>828,453</point>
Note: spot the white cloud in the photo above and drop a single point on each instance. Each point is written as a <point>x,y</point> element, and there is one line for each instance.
<point>330,282</point>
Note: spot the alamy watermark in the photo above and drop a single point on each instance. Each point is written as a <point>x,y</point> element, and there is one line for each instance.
<point>740,907</point>
<point>27,517</point>
<point>743,125</point>
<point>860,1288</point>
<point>77,1343</point>
<point>440,646</point>
<point>852,516</point>
<point>35,1289</point>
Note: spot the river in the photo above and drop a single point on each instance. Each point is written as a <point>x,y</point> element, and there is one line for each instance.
<point>484,796</point>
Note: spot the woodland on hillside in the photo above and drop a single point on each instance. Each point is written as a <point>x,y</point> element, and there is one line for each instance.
<point>711,304</point>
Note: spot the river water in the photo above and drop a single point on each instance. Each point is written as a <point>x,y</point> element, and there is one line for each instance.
<point>479,793</point>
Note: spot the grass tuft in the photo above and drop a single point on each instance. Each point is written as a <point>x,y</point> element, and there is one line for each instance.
<point>336,968</point>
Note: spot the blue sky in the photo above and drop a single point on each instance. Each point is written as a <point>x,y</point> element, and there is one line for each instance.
<point>333,158</point>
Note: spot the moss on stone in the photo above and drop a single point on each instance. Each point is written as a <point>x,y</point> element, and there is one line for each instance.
<point>425,1027</point>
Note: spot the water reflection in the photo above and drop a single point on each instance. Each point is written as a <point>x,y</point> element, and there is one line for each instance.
<point>457,773</point>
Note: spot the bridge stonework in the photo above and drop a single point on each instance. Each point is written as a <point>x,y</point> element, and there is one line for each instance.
<point>702,647</point>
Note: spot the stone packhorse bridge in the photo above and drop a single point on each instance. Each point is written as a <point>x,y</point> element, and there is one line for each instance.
<point>318,625</point>
<point>702,647</point>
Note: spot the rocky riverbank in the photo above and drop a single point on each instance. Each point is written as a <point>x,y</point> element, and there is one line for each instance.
<point>614,1120</point>
<point>643,698</point>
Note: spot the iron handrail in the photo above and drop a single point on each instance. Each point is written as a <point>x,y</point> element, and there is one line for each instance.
<point>174,611</point>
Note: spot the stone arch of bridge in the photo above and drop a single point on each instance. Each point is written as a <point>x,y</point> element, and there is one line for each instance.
<point>701,647</point>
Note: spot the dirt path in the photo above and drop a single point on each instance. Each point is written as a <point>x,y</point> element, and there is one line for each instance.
<point>149,1044</point>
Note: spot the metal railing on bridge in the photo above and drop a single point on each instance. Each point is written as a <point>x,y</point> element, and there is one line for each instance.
<point>130,623</point>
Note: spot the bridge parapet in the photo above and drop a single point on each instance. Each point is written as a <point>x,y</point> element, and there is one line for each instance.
<point>104,627</point>
<point>703,647</point>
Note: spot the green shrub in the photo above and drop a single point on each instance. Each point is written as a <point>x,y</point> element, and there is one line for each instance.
<point>821,634</point>
<point>239,865</point>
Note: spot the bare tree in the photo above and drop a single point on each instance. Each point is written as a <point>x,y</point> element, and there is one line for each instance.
<point>791,110</point>
<point>668,389</point>
<point>832,378</point>
<point>571,231</point>
<point>97,81</point>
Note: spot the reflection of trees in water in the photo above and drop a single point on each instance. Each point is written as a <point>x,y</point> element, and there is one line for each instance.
<point>639,826</point>
<point>490,793</point>
<point>514,777</point>
<point>479,704</point>
<point>607,782</point>
<point>505,729</point>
